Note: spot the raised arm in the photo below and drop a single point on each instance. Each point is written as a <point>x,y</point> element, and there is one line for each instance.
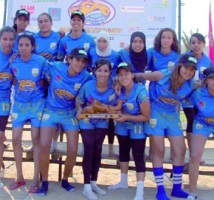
<point>151,76</point>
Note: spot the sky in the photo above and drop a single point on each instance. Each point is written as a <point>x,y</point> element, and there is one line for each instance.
<point>194,15</point>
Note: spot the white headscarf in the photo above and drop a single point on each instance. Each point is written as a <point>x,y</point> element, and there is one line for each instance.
<point>105,35</point>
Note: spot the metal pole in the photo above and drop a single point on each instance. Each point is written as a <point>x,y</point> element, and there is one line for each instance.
<point>179,20</point>
<point>5,13</point>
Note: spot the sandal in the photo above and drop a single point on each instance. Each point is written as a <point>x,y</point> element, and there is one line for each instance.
<point>16,184</point>
<point>33,189</point>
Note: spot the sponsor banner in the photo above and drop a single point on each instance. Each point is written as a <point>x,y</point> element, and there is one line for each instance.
<point>120,18</point>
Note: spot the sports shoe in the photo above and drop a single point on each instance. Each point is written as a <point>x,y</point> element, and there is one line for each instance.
<point>190,197</point>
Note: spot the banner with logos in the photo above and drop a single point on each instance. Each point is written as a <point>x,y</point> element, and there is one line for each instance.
<point>119,17</point>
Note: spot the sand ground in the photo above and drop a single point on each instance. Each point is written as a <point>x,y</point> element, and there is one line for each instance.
<point>106,178</point>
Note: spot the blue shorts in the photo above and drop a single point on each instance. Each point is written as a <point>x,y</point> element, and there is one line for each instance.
<point>163,124</point>
<point>27,112</point>
<point>53,118</point>
<point>93,123</point>
<point>202,129</point>
<point>5,108</point>
<point>135,130</point>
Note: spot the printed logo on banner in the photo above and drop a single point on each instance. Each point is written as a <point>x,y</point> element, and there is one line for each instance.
<point>156,19</point>
<point>55,13</point>
<point>96,12</point>
<point>161,4</point>
<point>44,1</point>
<point>29,8</point>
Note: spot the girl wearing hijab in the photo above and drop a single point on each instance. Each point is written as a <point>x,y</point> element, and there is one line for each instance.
<point>103,51</point>
<point>136,53</point>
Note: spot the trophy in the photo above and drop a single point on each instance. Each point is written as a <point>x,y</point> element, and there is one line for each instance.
<point>98,110</point>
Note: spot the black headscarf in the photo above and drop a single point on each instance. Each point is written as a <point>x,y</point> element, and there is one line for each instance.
<point>139,60</point>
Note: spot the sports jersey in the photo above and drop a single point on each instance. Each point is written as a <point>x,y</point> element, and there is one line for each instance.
<point>203,101</point>
<point>87,94</point>
<point>47,44</point>
<point>158,61</point>
<point>5,76</point>
<point>125,57</point>
<point>63,88</point>
<point>202,63</point>
<point>68,43</point>
<point>28,75</point>
<point>131,104</point>
<point>162,98</point>
<point>113,58</point>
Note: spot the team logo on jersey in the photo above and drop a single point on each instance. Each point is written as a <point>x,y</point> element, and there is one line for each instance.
<point>170,65</point>
<point>53,45</point>
<point>27,85</point>
<point>5,77</point>
<point>130,106</point>
<point>14,116</point>
<point>63,94</point>
<point>153,122</point>
<point>35,72</point>
<point>112,97</point>
<point>199,126</point>
<point>202,104</point>
<point>86,46</point>
<point>45,117</point>
<point>77,86</point>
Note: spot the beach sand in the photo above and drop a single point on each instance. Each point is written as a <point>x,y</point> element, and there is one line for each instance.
<point>106,178</point>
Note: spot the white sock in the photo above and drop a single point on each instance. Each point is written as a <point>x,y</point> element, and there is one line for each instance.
<point>88,193</point>
<point>1,184</point>
<point>54,143</point>
<point>139,190</point>
<point>97,189</point>
<point>123,184</point>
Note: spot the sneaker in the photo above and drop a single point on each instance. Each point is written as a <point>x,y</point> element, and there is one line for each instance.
<point>190,197</point>
<point>98,190</point>
<point>118,186</point>
<point>88,193</point>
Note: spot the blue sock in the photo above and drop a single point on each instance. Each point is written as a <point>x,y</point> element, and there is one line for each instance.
<point>65,184</point>
<point>158,173</point>
<point>177,182</point>
<point>43,189</point>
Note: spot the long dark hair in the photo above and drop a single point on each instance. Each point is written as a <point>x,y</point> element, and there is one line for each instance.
<point>157,42</point>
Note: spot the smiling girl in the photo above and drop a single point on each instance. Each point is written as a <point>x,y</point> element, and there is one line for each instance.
<point>76,38</point>
<point>93,131</point>
<point>170,87</point>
